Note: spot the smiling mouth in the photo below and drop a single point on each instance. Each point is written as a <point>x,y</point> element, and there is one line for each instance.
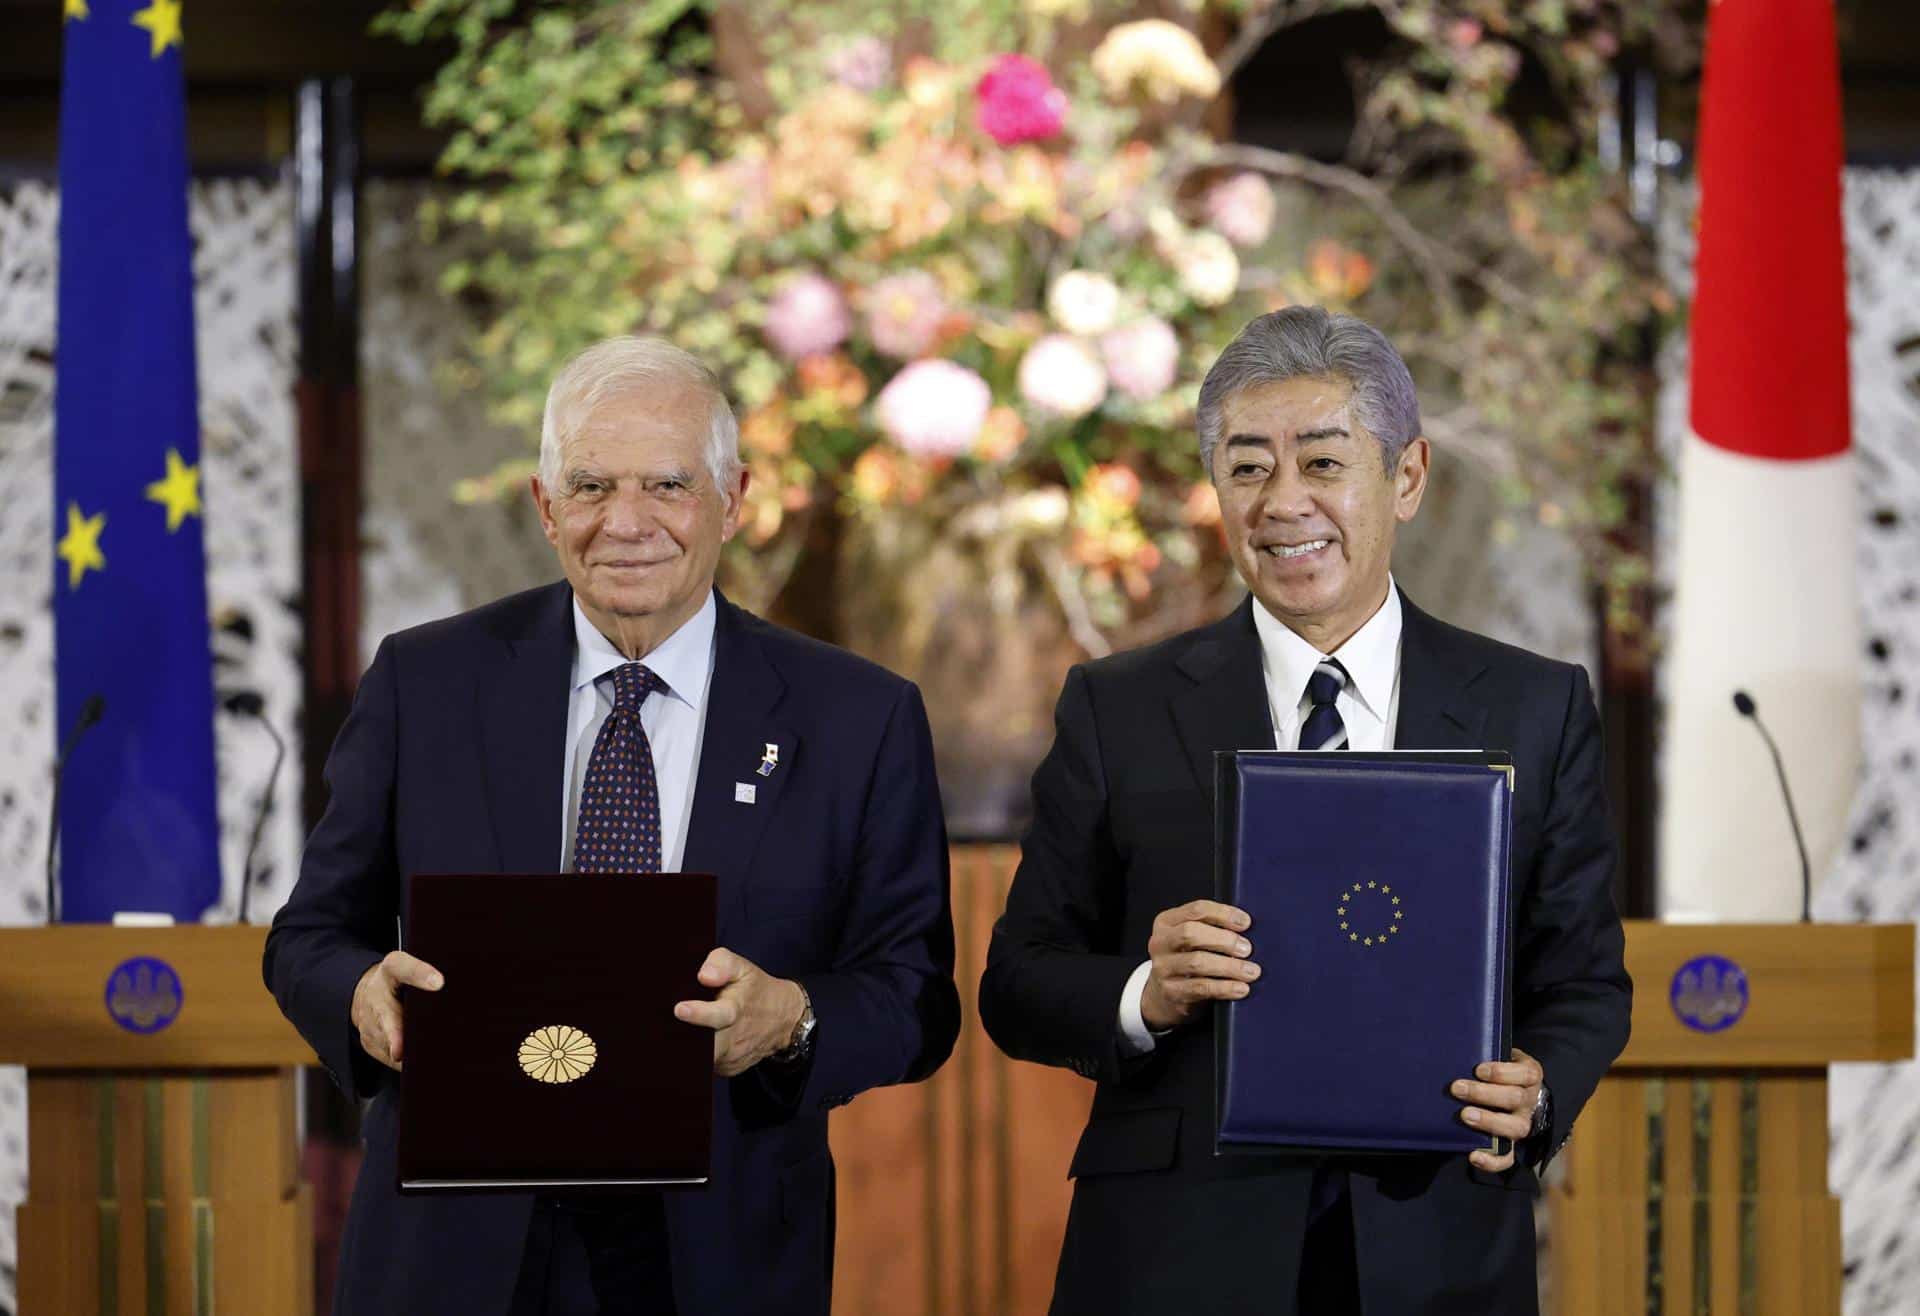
<point>1289,552</point>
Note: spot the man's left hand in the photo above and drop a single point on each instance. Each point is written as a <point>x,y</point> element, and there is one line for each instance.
<point>1501,1103</point>
<point>753,1016</point>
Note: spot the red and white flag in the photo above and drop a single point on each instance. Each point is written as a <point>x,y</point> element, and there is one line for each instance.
<point>1765,597</point>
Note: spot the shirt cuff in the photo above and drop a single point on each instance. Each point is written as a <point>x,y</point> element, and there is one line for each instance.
<point>1136,1039</point>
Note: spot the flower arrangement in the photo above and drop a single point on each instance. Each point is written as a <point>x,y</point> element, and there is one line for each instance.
<point>963,267</point>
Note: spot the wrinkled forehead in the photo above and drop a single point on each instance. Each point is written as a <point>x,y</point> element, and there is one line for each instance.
<point>667,425</point>
<point>1301,408</point>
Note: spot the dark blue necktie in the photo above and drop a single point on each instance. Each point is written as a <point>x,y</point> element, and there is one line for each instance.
<point>1323,729</point>
<point>618,829</point>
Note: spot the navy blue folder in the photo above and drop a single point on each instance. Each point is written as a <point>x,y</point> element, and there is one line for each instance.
<point>1378,888</point>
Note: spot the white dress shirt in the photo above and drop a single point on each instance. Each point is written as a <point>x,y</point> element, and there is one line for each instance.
<point>675,720</point>
<point>1368,704</point>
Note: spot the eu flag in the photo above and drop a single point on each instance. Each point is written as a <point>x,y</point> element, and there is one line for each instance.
<point>137,821</point>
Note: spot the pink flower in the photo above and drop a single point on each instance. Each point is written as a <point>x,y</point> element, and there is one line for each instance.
<point>934,408</point>
<point>904,313</point>
<point>1142,357</point>
<point>807,316</point>
<point>1241,208</point>
<point>1016,101</point>
<point>864,64</point>
<point>1060,374</point>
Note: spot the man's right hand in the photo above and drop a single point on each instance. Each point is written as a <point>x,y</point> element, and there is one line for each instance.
<point>376,1002</point>
<point>1198,956</point>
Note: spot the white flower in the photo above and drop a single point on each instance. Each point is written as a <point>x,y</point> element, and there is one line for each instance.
<point>1061,375</point>
<point>1209,271</point>
<point>1163,60</point>
<point>1085,303</point>
<point>1142,357</point>
<point>934,408</point>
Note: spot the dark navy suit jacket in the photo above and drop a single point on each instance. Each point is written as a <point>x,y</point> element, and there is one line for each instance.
<point>1123,829</point>
<point>835,875</point>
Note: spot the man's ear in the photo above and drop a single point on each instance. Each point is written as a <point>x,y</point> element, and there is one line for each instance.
<point>1410,478</point>
<point>543,506</point>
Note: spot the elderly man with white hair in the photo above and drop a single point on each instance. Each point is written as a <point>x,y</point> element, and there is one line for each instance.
<point>620,708</point>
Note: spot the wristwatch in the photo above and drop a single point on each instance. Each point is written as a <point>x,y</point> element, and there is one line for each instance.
<point>801,1043</point>
<point>1542,1112</point>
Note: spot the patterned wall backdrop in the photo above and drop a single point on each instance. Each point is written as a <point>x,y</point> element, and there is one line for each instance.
<point>245,281</point>
<point>426,557</point>
<point>1875,1109</point>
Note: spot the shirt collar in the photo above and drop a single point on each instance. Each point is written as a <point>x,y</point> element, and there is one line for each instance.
<point>682,661</point>
<point>1371,655</point>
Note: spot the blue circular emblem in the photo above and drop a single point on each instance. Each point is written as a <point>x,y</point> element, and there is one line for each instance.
<point>144,995</point>
<point>1709,993</point>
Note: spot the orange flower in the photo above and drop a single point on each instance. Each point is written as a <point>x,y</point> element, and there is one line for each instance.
<point>1000,436</point>
<point>768,429</point>
<point>1114,483</point>
<point>834,378</point>
<point>1338,271</point>
<point>876,475</point>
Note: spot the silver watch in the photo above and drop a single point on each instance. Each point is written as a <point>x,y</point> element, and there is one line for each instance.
<point>802,1040</point>
<point>1542,1112</point>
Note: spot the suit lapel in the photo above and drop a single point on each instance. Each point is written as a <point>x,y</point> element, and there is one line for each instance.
<point>1436,708</point>
<point>1226,706</point>
<point>523,734</point>
<point>725,829</point>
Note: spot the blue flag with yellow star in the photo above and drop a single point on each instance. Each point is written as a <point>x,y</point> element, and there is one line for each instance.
<point>137,821</point>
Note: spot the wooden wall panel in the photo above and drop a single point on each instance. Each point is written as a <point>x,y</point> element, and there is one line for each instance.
<point>953,1193</point>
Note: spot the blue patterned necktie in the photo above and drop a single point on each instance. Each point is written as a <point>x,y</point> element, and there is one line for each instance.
<point>1323,728</point>
<point>618,829</point>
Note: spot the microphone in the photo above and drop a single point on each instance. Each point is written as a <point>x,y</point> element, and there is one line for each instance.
<point>247,703</point>
<point>90,712</point>
<point>1743,704</point>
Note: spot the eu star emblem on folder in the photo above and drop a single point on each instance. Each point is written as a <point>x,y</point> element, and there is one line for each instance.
<point>552,1058</point>
<point>1378,888</point>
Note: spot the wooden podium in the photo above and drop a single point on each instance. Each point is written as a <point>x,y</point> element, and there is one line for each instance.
<point>1696,1180</point>
<point>163,1171</point>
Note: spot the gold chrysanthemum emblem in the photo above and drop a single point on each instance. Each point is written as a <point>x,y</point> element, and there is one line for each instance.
<point>558,1053</point>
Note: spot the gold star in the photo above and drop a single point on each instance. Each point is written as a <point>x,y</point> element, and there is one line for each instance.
<point>80,546</point>
<point>1386,890</point>
<point>75,9</point>
<point>1396,900</point>
<point>1341,910</point>
<point>1367,941</point>
<point>1353,936</point>
<point>179,493</point>
<point>1371,885</point>
<point>1394,928</point>
<point>1356,886</point>
<point>162,20</point>
<point>1343,927</point>
<point>1396,913</point>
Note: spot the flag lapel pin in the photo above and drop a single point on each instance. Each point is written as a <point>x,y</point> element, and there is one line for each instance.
<point>769,760</point>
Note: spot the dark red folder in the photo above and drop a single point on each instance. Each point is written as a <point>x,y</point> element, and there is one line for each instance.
<point>551,1058</point>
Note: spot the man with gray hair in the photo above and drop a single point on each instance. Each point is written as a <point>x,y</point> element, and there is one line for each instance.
<point>628,718</point>
<point>1110,954</point>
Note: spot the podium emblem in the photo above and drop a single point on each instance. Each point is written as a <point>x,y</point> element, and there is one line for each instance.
<point>1709,994</point>
<point>144,995</point>
<point>1370,914</point>
<point>558,1053</point>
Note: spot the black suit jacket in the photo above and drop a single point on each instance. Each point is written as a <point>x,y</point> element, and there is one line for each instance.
<point>451,761</point>
<point>1122,830</point>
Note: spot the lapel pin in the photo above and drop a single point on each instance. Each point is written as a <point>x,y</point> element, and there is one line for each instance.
<point>743,792</point>
<point>769,760</point>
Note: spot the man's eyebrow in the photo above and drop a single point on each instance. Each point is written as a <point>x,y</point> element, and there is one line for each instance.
<point>1250,440</point>
<point>1324,432</point>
